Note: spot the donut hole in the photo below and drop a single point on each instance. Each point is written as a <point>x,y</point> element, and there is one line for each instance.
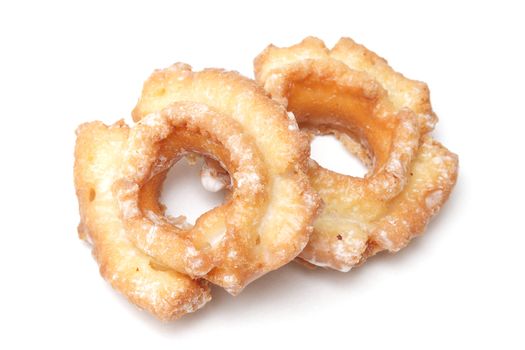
<point>183,193</point>
<point>325,106</point>
<point>331,154</point>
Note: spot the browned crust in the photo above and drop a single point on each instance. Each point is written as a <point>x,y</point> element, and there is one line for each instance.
<point>331,89</point>
<point>263,232</point>
<point>404,92</point>
<point>164,293</point>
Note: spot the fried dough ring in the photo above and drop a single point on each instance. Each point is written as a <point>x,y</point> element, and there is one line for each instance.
<point>163,292</point>
<point>351,91</point>
<point>266,221</point>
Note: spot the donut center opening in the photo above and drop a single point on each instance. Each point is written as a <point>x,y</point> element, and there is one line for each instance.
<point>183,192</point>
<point>322,105</point>
<point>333,155</point>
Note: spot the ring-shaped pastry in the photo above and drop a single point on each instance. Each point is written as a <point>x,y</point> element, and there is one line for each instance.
<point>163,292</point>
<point>351,91</point>
<point>267,218</point>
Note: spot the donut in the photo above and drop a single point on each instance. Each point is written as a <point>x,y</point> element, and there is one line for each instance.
<point>267,217</point>
<point>163,292</point>
<point>381,117</point>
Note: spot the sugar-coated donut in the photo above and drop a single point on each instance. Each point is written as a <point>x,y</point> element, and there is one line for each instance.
<point>383,117</point>
<point>267,218</point>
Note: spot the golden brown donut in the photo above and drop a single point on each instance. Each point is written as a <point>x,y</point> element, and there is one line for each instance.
<point>351,92</point>
<point>163,292</point>
<point>267,217</point>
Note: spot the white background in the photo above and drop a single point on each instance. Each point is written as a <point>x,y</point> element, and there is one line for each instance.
<point>461,284</point>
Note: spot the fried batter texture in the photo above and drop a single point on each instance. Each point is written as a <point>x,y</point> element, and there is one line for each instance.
<point>163,292</point>
<point>383,118</point>
<point>162,263</point>
<point>267,218</point>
